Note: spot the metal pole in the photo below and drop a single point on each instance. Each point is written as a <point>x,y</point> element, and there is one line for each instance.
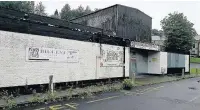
<point>133,78</point>
<point>183,73</point>
<point>51,84</point>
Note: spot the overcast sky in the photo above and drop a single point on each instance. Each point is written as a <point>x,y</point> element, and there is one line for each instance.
<point>156,9</point>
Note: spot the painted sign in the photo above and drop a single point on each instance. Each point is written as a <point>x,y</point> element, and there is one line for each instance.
<point>146,46</point>
<point>112,56</point>
<point>51,54</point>
<point>154,59</point>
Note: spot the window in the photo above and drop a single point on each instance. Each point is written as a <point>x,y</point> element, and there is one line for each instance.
<point>193,46</point>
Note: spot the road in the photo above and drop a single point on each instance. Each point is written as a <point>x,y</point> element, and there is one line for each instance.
<point>178,95</point>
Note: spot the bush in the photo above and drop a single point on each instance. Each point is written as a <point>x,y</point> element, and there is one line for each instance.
<point>128,84</point>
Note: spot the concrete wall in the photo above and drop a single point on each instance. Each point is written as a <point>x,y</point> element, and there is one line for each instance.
<point>15,70</point>
<point>163,62</point>
<point>157,62</point>
<point>187,63</point>
<point>127,61</point>
<point>141,62</point>
<point>153,62</point>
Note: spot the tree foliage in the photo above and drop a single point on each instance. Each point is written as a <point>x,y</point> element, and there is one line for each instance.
<point>156,32</point>
<point>67,13</point>
<point>179,32</point>
<point>55,15</point>
<point>40,9</point>
<point>26,6</point>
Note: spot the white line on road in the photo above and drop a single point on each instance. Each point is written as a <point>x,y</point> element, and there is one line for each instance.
<point>156,88</point>
<point>175,84</point>
<point>194,98</point>
<point>140,90</point>
<point>102,99</point>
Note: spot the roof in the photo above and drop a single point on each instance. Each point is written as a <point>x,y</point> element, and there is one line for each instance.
<point>197,37</point>
<point>157,38</point>
<point>108,8</point>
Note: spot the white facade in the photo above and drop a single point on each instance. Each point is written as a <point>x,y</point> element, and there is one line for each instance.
<point>157,62</point>
<point>187,64</point>
<point>16,70</point>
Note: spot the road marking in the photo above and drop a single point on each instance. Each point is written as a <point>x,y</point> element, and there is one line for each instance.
<point>194,98</point>
<point>56,107</point>
<point>128,92</point>
<point>72,105</point>
<point>156,88</point>
<point>102,99</point>
<point>144,89</point>
<point>175,83</point>
<point>40,109</point>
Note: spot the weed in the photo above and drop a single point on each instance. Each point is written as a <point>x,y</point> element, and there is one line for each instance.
<point>36,99</point>
<point>10,103</point>
<point>128,84</point>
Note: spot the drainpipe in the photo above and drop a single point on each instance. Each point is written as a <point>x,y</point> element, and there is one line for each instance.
<point>198,48</point>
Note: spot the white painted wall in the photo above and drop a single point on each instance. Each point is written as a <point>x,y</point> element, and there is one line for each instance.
<point>156,62</point>
<point>187,63</point>
<point>163,62</point>
<point>127,61</point>
<point>16,71</point>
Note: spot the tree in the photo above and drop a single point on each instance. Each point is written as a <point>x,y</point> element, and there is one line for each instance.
<point>26,6</point>
<point>87,10</point>
<point>56,14</point>
<point>179,32</point>
<point>40,9</point>
<point>66,12</point>
<point>156,32</point>
<point>80,11</point>
<point>96,9</point>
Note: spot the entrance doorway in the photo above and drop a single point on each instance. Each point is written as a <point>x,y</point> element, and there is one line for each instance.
<point>133,68</point>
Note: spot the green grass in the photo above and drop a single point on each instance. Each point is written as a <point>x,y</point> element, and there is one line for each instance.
<point>194,60</point>
<point>195,70</point>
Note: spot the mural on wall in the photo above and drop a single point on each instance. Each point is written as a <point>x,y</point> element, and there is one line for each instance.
<point>51,54</point>
<point>112,56</point>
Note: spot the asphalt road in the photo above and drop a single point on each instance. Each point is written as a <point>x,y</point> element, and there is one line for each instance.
<point>179,95</point>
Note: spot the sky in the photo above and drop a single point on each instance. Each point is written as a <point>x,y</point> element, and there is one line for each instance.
<point>155,9</point>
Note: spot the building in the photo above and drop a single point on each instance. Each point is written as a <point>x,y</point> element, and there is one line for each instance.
<point>33,49</point>
<point>195,48</point>
<point>194,52</point>
<point>126,22</point>
<point>158,40</point>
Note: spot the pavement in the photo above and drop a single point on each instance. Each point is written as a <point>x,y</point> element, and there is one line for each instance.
<point>177,95</point>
